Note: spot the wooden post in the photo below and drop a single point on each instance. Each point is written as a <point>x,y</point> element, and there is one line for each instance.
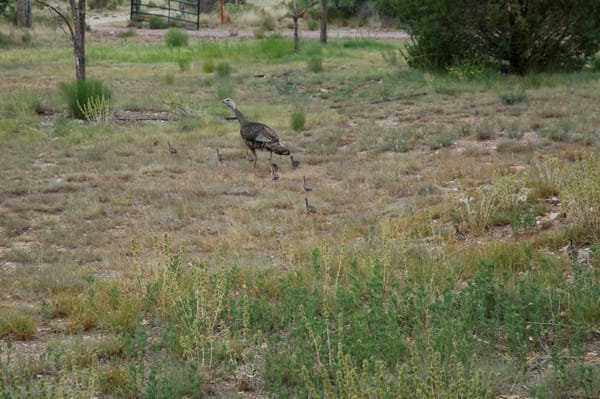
<point>222,13</point>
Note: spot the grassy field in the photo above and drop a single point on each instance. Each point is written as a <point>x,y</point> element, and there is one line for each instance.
<point>454,252</point>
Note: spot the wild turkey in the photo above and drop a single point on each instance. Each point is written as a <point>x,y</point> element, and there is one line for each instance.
<point>306,187</point>
<point>220,157</point>
<point>459,235</point>
<point>309,208</point>
<point>295,164</point>
<point>274,169</point>
<point>257,136</point>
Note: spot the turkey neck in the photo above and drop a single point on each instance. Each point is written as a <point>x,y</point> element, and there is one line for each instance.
<point>240,117</point>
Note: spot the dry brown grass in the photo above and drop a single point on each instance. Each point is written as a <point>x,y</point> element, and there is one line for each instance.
<point>81,199</point>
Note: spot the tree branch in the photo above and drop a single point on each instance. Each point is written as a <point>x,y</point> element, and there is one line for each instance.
<point>62,16</point>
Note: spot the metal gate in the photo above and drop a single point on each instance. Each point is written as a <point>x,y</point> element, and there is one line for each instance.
<point>181,13</point>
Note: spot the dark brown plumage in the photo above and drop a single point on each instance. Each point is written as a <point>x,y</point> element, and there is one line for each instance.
<point>257,136</point>
<point>306,187</point>
<point>295,164</point>
<point>309,208</point>
<point>274,169</point>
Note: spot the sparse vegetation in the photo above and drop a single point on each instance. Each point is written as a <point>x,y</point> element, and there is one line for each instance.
<point>454,252</point>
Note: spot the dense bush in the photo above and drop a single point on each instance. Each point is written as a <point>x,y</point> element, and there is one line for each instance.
<point>515,36</point>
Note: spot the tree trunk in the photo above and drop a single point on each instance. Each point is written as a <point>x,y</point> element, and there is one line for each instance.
<point>295,18</point>
<point>24,13</point>
<point>78,15</point>
<point>324,21</point>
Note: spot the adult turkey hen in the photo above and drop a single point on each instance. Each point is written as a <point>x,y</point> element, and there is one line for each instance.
<point>256,135</point>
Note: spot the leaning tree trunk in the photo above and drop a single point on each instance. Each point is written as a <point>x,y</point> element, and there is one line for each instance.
<point>24,13</point>
<point>324,21</point>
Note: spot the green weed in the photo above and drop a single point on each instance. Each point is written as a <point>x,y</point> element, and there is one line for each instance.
<point>176,37</point>
<point>298,120</point>
<point>315,64</point>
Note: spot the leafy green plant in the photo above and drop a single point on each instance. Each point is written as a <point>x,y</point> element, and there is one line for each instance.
<point>312,24</point>
<point>87,98</point>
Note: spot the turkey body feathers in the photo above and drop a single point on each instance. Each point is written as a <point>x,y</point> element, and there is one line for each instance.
<point>260,136</point>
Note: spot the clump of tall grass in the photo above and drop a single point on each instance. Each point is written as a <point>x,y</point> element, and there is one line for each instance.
<point>223,69</point>
<point>315,64</point>
<point>513,97</point>
<point>208,66</point>
<point>176,37</point>
<point>87,99</point>
<point>17,324</point>
<point>581,192</point>
<point>298,120</point>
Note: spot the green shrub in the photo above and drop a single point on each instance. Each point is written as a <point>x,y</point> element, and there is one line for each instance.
<point>157,22</point>
<point>184,62</point>
<point>208,66</point>
<point>176,37</point>
<point>545,35</point>
<point>169,79</point>
<point>315,64</point>
<point>223,69</point>
<point>312,24</point>
<point>84,95</point>
<point>298,120</point>
<point>267,23</point>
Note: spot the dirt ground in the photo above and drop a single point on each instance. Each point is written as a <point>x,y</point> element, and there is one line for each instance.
<point>119,21</point>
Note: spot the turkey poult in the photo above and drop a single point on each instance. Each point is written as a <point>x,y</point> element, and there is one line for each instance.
<point>309,208</point>
<point>257,136</point>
